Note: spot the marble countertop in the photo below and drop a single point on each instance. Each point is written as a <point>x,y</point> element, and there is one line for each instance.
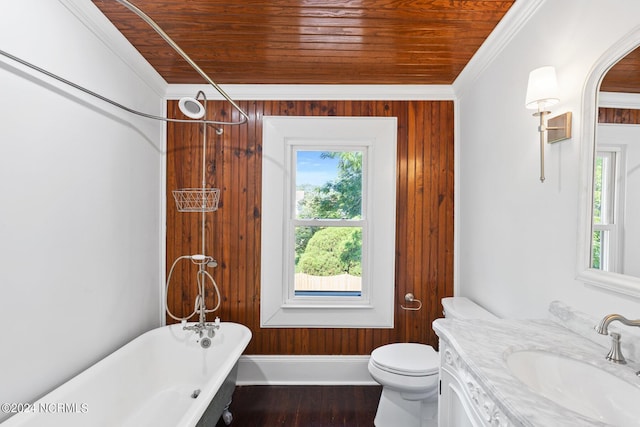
<point>484,345</point>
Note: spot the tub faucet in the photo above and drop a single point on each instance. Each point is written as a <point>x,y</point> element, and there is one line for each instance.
<point>615,354</point>
<point>200,328</point>
<point>203,326</point>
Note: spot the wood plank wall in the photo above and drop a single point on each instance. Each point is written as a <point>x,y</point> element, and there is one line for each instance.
<point>424,235</point>
<point>625,116</point>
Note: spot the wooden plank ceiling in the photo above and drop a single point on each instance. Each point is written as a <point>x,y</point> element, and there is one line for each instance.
<point>624,76</point>
<point>311,41</point>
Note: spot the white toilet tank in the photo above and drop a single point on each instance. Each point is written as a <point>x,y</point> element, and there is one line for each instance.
<point>463,308</point>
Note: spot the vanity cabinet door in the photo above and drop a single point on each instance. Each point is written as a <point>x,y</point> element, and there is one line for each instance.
<point>454,407</point>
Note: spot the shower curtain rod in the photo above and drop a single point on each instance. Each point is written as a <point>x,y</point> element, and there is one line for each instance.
<point>184,56</point>
<point>105,99</point>
<point>155,26</point>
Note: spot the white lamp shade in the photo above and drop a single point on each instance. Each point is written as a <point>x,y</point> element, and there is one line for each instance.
<point>542,90</point>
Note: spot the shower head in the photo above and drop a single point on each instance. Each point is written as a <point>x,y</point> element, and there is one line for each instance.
<point>191,107</point>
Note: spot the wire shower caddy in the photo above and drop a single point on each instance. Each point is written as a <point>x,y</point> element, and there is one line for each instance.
<point>197,199</point>
<point>203,199</point>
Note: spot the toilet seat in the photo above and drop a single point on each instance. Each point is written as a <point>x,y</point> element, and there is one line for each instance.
<point>406,359</point>
<point>409,374</point>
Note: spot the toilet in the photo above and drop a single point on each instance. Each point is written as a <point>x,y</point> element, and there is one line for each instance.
<point>408,374</point>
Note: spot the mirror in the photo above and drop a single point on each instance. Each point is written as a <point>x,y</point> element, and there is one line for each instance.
<point>615,224</point>
<point>609,234</point>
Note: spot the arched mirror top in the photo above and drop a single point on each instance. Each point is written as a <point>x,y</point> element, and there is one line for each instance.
<point>625,52</point>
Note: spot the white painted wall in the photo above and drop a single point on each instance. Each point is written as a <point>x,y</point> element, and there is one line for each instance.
<point>517,237</point>
<point>80,184</point>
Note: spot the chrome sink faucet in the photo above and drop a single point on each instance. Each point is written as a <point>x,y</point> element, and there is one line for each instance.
<point>615,354</point>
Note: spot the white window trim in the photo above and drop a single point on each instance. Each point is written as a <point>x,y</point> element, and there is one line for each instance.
<point>612,245</point>
<point>375,308</point>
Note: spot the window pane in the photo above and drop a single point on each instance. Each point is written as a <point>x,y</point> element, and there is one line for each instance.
<point>328,261</point>
<point>601,250</point>
<point>596,248</point>
<point>604,191</point>
<point>597,191</point>
<point>328,184</point>
<point>604,208</point>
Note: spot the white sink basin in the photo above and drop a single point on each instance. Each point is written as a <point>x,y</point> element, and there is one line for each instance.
<point>578,386</point>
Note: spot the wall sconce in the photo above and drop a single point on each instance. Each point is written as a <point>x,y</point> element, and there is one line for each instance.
<point>542,92</point>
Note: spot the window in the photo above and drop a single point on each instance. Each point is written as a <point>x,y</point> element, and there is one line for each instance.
<point>327,224</point>
<point>328,221</point>
<point>607,208</point>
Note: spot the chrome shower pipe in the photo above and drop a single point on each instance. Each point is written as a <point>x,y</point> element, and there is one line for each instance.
<point>186,57</point>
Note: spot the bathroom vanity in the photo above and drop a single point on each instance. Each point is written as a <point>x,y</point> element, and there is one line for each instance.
<point>535,373</point>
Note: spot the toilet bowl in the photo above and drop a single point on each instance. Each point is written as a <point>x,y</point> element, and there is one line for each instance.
<point>408,373</point>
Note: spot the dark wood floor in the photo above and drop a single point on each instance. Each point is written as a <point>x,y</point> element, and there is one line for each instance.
<point>304,406</point>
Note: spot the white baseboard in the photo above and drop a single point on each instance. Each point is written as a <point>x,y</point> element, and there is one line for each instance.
<point>304,370</point>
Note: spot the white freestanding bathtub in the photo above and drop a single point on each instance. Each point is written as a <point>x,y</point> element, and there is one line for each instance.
<point>162,378</point>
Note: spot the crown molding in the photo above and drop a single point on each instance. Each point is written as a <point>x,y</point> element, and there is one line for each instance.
<point>318,92</point>
<point>513,21</point>
<point>95,21</point>
<point>619,100</point>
